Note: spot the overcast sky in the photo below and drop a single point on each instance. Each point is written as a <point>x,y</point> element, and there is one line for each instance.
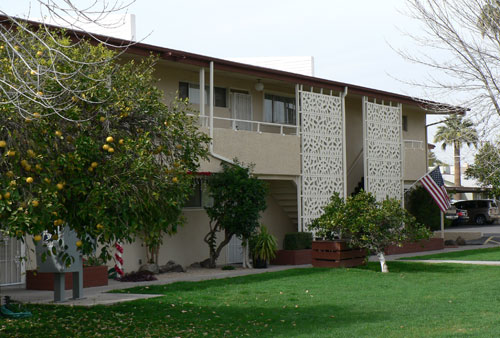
<point>349,40</point>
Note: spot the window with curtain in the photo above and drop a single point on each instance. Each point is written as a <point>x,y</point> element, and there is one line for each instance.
<point>192,92</point>
<point>279,109</point>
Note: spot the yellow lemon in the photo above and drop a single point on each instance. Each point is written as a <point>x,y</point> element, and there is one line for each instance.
<point>37,115</point>
<point>39,93</point>
<point>10,173</point>
<point>111,150</point>
<point>102,119</point>
<point>105,147</point>
<point>90,169</point>
<point>175,180</point>
<point>39,53</point>
<point>30,153</point>
<point>109,139</point>
<point>6,195</point>
<point>100,226</point>
<point>11,153</point>
<point>93,164</point>
<point>47,180</point>
<point>29,180</point>
<point>3,144</point>
<point>35,203</point>
<point>58,133</point>
<point>37,238</point>
<point>60,186</point>
<point>38,167</point>
<point>79,243</point>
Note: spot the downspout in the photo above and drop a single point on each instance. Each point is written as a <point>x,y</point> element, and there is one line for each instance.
<point>211,118</point>
<point>344,146</point>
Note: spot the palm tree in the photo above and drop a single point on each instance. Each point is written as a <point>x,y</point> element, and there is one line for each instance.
<point>456,131</point>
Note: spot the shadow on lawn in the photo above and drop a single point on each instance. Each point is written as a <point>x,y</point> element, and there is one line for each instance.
<point>240,280</point>
<point>414,267</point>
<point>193,320</point>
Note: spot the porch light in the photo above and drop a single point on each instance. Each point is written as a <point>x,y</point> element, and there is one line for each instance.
<point>259,86</point>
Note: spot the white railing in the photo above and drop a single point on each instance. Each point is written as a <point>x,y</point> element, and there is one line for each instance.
<point>258,126</point>
<point>414,144</point>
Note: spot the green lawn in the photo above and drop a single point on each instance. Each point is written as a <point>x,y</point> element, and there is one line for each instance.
<point>414,300</point>
<point>489,254</point>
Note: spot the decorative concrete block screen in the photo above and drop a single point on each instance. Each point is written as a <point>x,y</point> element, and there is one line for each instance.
<point>383,150</point>
<point>323,160</point>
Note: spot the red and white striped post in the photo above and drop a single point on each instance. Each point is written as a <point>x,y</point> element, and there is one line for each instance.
<point>119,259</point>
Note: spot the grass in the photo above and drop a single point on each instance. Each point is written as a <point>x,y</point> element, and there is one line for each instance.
<point>414,300</point>
<point>489,254</point>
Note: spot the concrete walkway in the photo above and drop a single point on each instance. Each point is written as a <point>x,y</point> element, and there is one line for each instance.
<point>100,296</point>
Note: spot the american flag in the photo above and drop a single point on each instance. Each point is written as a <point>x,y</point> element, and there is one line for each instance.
<point>433,182</point>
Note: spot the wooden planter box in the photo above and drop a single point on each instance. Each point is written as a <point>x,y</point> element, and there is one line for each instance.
<point>293,257</point>
<point>423,245</point>
<point>335,254</point>
<point>92,276</point>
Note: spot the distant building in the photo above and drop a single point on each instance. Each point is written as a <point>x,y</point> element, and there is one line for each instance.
<point>294,64</point>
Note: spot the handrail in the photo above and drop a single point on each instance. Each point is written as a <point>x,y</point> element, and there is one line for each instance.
<point>258,123</point>
<point>358,157</point>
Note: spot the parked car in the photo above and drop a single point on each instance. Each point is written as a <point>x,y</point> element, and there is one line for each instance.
<point>457,216</point>
<point>480,211</point>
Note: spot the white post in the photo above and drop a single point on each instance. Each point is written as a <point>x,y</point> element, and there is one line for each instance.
<point>365,160</point>
<point>211,106</point>
<point>442,225</point>
<point>202,95</point>
<point>344,142</point>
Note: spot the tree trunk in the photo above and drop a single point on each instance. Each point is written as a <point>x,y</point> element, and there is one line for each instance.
<point>215,251</point>
<point>383,264</point>
<point>246,261</point>
<point>457,173</point>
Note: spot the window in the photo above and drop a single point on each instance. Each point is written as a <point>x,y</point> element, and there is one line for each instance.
<point>192,91</point>
<point>200,197</point>
<point>405,123</point>
<point>279,109</point>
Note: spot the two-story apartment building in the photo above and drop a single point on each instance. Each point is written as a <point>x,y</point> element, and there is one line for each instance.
<point>307,137</point>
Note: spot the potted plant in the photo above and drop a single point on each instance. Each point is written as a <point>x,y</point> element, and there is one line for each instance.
<point>296,249</point>
<point>263,247</point>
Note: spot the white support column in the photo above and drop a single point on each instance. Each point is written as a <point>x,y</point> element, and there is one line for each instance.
<point>202,95</point>
<point>211,105</point>
<point>344,146</point>
<point>298,181</point>
<point>365,149</point>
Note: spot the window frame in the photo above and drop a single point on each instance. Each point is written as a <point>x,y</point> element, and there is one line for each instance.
<point>184,93</point>
<point>282,96</point>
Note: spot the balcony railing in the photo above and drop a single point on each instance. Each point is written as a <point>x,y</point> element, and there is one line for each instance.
<point>414,144</point>
<point>256,126</point>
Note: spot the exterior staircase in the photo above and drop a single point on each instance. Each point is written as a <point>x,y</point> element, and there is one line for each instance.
<point>285,194</point>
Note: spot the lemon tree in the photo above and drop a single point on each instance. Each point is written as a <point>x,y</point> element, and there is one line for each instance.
<point>115,167</point>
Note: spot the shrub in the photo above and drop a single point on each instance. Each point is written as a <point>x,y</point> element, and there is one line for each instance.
<point>298,241</point>
<point>369,224</point>
<point>228,267</point>
<point>421,205</point>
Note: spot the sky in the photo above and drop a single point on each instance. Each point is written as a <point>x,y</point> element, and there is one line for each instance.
<point>351,41</point>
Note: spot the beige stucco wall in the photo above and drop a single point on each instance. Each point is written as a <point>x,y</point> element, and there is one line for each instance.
<point>415,159</point>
